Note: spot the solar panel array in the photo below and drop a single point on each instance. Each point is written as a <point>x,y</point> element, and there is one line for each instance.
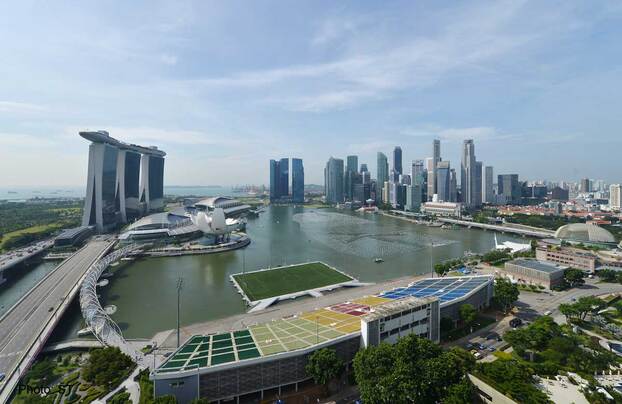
<point>446,289</point>
<point>306,329</point>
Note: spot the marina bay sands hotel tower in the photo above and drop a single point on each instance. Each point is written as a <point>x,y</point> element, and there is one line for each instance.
<point>125,181</point>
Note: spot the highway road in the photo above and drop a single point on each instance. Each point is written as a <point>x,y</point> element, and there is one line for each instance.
<point>24,323</point>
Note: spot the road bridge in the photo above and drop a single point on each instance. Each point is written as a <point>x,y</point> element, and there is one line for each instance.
<point>521,231</point>
<point>25,328</point>
<point>19,255</point>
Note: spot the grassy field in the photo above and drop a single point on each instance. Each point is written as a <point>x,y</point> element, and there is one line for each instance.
<point>282,281</point>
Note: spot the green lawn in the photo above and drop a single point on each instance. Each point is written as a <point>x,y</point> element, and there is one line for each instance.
<point>282,281</point>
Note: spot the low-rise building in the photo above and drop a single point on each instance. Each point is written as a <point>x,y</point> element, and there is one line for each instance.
<point>571,257</point>
<point>442,208</point>
<point>535,272</point>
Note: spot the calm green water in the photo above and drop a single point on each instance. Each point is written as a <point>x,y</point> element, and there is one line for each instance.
<point>145,291</point>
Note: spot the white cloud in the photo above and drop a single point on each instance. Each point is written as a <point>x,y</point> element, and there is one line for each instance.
<point>20,107</point>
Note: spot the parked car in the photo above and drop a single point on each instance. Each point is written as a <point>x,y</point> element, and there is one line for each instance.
<point>476,354</point>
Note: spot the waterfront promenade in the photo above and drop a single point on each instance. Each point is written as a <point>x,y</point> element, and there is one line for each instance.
<point>27,325</point>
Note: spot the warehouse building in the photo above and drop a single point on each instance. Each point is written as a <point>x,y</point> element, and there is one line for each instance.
<point>534,272</point>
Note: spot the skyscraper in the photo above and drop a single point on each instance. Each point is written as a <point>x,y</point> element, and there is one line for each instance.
<point>124,181</point>
<point>477,179</point>
<point>585,185</point>
<point>443,179</point>
<point>468,175</point>
<point>488,194</point>
<point>274,180</point>
<point>382,173</point>
<point>615,197</point>
<point>413,197</point>
<point>436,157</point>
<point>453,186</point>
<point>364,168</point>
<point>509,188</point>
<point>298,181</point>
<point>284,178</point>
<point>350,178</point>
<point>397,160</point>
<point>334,180</point>
<point>417,171</point>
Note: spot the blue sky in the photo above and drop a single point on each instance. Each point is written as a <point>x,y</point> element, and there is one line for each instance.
<point>224,86</point>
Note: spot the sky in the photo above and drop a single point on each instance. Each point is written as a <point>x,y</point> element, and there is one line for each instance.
<point>224,86</point>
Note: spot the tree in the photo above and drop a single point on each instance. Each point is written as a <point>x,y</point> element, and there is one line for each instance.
<point>574,277</point>
<point>446,325</point>
<point>413,370</point>
<point>468,314</point>
<point>324,365</point>
<point>505,293</point>
<point>106,366</point>
<point>568,310</point>
<point>461,393</point>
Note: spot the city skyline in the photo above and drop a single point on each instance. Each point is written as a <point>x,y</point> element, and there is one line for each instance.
<point>540,80</point>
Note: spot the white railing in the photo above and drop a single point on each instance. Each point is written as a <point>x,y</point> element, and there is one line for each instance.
<point>96,318</point>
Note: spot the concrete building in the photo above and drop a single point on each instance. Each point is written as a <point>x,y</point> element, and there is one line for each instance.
<point>395,320</point>
<point>333,181</point>
<point>532,272</point>
<point>452,209</point>
<point>453,186</point>
<point>124,181</point>
<point>567,256</point>
<point>478,183</point>
<point>559,194</point>
<point>585,185</point>
<point>615,197</point>
<point>487,188</point>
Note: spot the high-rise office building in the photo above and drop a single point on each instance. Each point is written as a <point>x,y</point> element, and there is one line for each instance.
<point>364,168</point>
<point>124,181</point>
<point>417,171</point>
<point>487,188</point>
<point>397,160</point>
<point>432,169</point>
<point>413,197</point>
<point>284,177</point>
<point>298,181</point>
<point>350,176</point>
<point>430,178</point>
<point>382,172</point>
<point>443,180</point>
<point>585,185</point>
<point>478,179</point>
<point>333,177</point>
<point>274,180</point>
<point>509,188</point>
<point>469,176</point>
<point>615,197</point>
<point>453,186</point>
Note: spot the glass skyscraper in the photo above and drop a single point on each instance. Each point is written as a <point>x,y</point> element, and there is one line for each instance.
<point>298,181</point>
<point>333,181</point>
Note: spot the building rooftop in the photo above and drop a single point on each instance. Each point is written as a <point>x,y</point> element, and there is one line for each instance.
<point>590,233</point>
<point>309,329</point>
<point>539,265</point>
<point>446,289</point>
<point>101,136</point>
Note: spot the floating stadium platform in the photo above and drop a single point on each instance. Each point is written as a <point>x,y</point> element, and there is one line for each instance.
<point>274,354</point>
